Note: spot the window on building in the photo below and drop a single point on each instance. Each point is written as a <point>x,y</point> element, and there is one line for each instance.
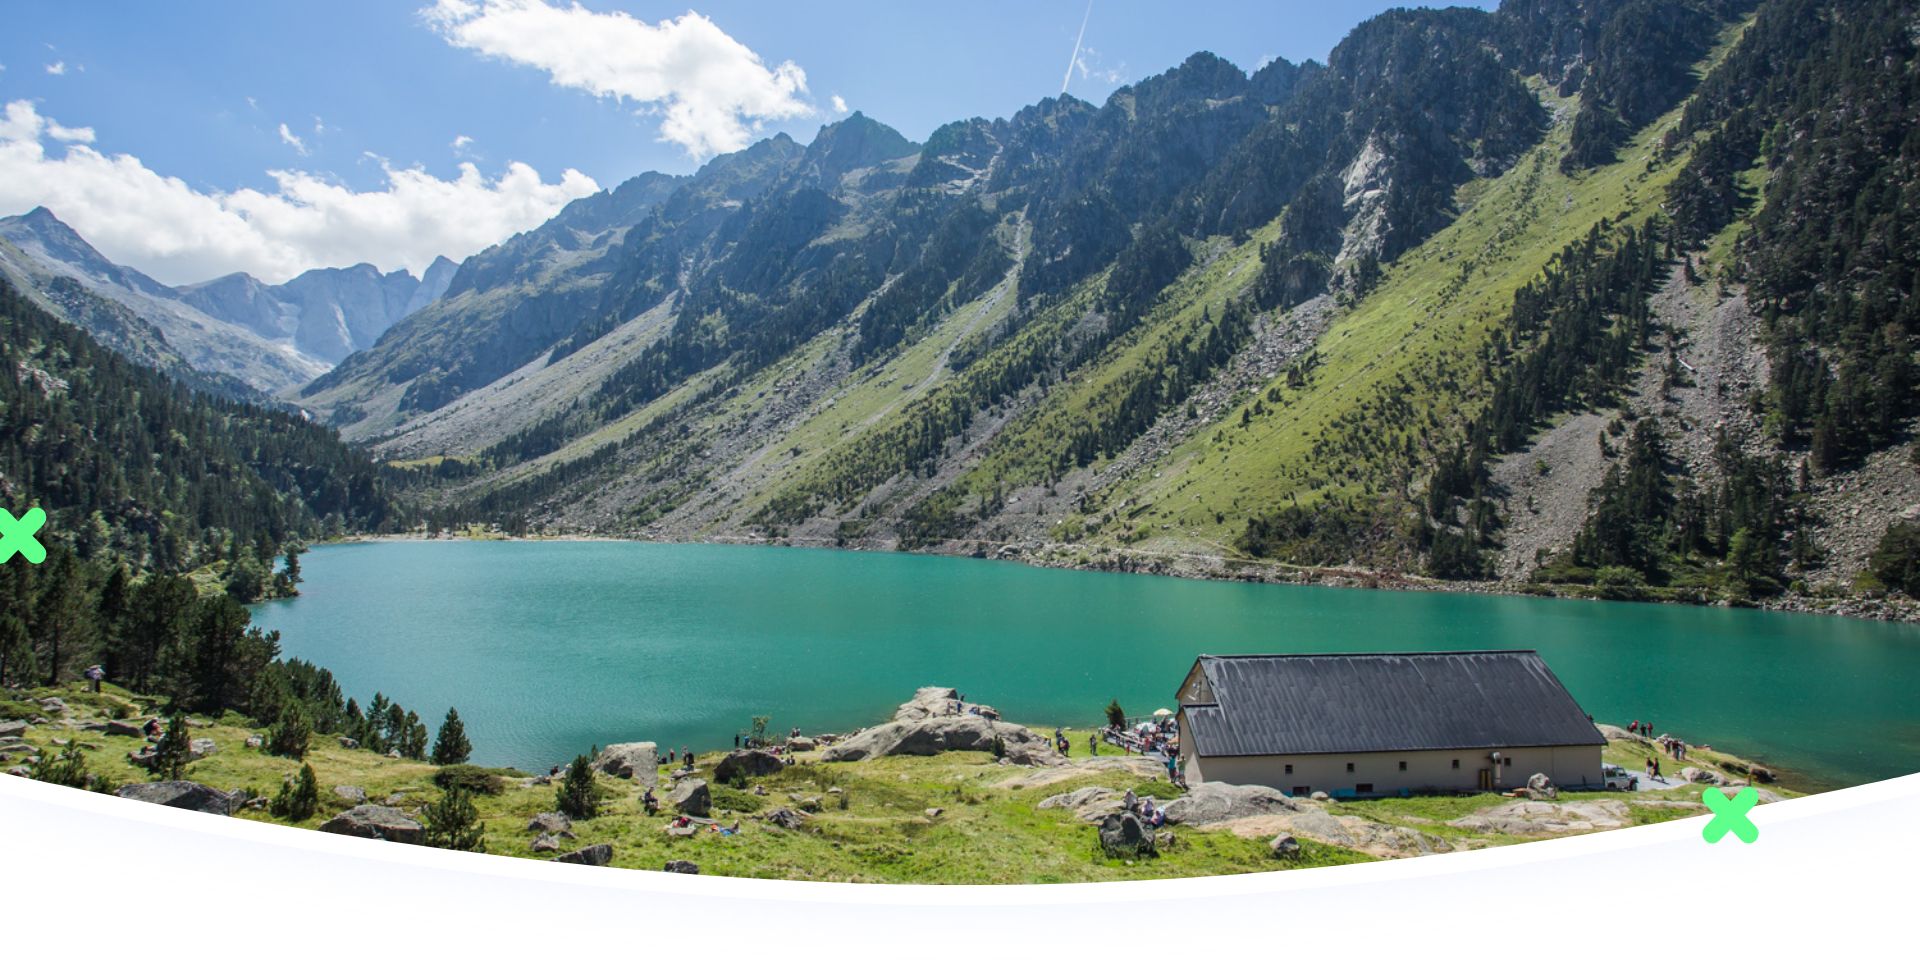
<point>1349,768</point>
<point>1302,791</point>
<point>1289,769</point>
<point>1403,766</point>
<point>1456,764</point>
<point>1364,788</point>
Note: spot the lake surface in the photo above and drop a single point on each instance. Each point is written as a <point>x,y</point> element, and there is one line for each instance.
<point>548,648</point>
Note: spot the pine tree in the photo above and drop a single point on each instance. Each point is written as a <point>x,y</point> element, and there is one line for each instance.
<point>292,731</point>
<point>17,665</point>
<point>451,746</point>
<point>174,749</point>
<point>453,823</point>
<point>413,743</point>
<point>577,796</point>
<point>64,619</point>
<point>1116,716</point>
<point>299,797</point>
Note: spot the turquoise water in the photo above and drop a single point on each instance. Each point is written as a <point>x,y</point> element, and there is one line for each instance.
<point>548,648</point>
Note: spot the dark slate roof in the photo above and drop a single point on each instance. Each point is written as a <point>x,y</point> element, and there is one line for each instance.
<point>1274,704</point>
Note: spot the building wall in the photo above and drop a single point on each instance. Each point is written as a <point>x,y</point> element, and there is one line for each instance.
<point>1569,767</point>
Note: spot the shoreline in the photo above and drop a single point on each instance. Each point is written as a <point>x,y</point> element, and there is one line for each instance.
<point>1892,609</point>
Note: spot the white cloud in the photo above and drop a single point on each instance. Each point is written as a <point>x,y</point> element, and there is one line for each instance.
<point>83,135</point>
<point>176,233</point>
<point>462,142</point>
<point>293,139</point>
<point>1087,62</point>
<point>839,104</point>
<point>57,68</point>
<point>710,90</point>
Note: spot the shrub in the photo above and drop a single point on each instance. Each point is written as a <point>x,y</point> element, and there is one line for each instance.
<point>1116,715</point>
<point>735,801</point>
<point>473,779</point>
<point>453,823</point>
<point>299,796</point>
<point>68,768</point>
<point>577,796</point>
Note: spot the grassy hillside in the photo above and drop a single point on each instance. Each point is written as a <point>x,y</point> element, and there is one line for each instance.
<point>867,821</point>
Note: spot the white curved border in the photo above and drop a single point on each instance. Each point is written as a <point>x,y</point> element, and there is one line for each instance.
<point>96,876</point>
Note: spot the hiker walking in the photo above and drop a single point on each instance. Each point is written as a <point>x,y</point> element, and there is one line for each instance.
<point>1093,745</point>
<point>95,675</point>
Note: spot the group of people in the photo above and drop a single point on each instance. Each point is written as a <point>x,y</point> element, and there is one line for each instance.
<point>1641,728</point>
<point>1149,737</point>
<point>1674,747</point>
<point>1150,814</point>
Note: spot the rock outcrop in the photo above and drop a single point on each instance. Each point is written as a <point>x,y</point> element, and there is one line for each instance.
<point>376,822</point>
<point>1546,818</point>
<point>1122,836</point>
<point>550,823</point>
<point>1089,804</point>
<point>691,797</point>
<point>752,763</point>
<point>927,725</point>
<point>681,866</point>
<point>1209,802</point>
<point>591,855</point>
<point>633,759</point>
<point>192,796</point>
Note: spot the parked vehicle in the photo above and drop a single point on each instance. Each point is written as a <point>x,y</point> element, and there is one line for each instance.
<point>1619,779</point>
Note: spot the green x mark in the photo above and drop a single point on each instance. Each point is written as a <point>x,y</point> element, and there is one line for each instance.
<point>16,536</point>
<point>1730,814</point>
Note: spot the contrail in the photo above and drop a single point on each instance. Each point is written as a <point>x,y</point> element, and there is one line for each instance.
<point>1076,47</point>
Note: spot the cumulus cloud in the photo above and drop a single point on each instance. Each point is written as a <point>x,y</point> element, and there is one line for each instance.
<point>711,91</point>
<point>461,143</point>
<point>292,139</point>
<point>176,233</point>
<point>57,68</point>
<point>839,104</point>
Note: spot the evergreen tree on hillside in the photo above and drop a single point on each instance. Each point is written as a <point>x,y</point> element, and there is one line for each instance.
<point>414,743</point>
<point>578,797</point>
<point>299,796</point>
<point>174,749</point>
<point>291,733</point>
<point>451,747</point>
<point>65,626</point>
<point>453,823</point>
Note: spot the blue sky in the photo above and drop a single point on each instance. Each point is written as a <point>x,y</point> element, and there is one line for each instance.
<point>200,92</point>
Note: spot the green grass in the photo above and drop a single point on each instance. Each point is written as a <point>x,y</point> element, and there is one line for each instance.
<point>987,831</point>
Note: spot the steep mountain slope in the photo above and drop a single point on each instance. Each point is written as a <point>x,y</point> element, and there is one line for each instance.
<point>327,313</point>
<point>43,256</point>
<point>133,466</point>
<point>1318,316</point>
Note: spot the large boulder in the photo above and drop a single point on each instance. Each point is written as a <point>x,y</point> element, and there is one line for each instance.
<point>752,763</point>
<point>1617,733</point>
<point>1122,836</point>
<point>931,736</point>
<point>351,793</point>
<point>192,796</point>
<point>124,729</point>
<point>545,843</point>
<point>801,744</point>
<point>591,855</point>
<point>786,818</point>
<point>681,866</point>
<point>550,822</point>
<point>691,797</point>
<point>376,822</point>
<point>200,748</point>
<point>633,759</point>
<point>1698,776</point>
<point>1284,847</point>
<point>53,706</point>
<point>1209,802</point>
